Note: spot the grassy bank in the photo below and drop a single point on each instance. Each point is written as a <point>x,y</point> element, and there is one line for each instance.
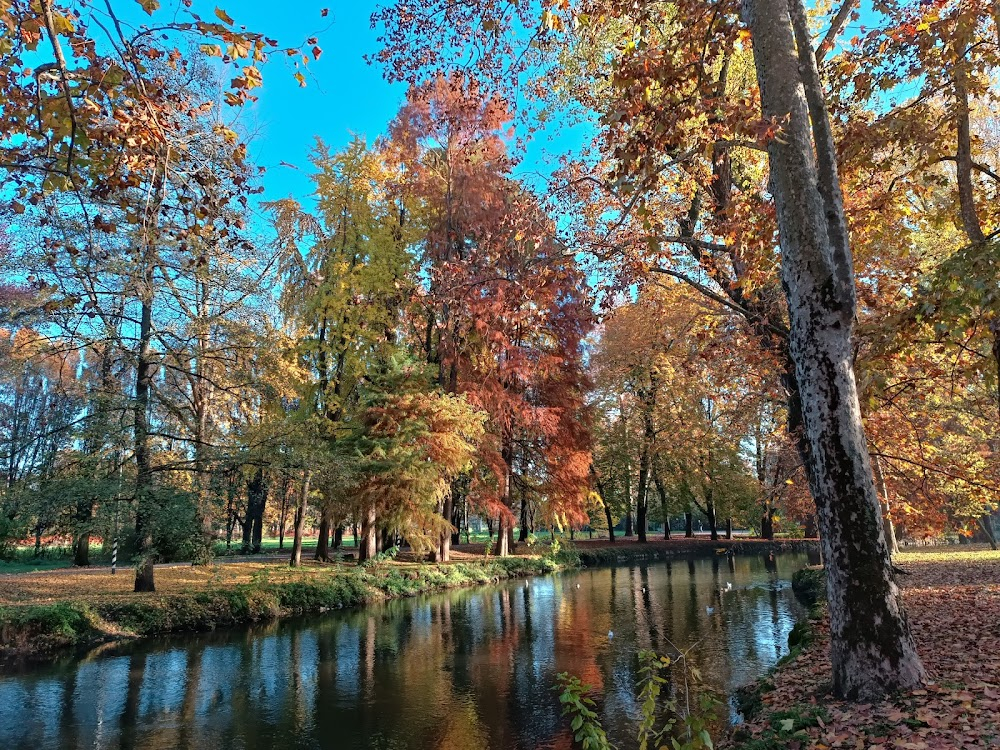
<point>952,599</point>
<point>76,614</point>
<point>600,552</point>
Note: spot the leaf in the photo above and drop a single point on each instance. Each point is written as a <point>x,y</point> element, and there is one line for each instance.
<point>301,79</point>
<point>150,6</point>
<point>787,725</point>
<point>224,17</point>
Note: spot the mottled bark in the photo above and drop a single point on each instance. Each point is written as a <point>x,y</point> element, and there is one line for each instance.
<point>872,650</point>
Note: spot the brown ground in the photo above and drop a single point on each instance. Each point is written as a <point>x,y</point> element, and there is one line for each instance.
<point>953,602</point>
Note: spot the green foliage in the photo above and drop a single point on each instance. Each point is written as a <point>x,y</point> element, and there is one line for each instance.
<point>379,559</point>
<point>44,627</point>
<point>564,554</point>
<point>10,532</point>
<point>685,727</point>
<point>785,729</point>
<point>809,585</point>
<point>585,723</point>
<point>174,516</point>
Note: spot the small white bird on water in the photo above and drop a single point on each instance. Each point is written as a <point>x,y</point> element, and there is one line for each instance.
<point>709,610</point>
<point>611,634</point>
<point>578,585</point>
<point>729,586</point>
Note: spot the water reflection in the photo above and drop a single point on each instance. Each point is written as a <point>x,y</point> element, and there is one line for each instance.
<point>466,670</point>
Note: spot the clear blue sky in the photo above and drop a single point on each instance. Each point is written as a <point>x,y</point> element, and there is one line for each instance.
<point>344,95</point>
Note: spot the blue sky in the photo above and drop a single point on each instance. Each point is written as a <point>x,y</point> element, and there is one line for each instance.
<point>344,95</point>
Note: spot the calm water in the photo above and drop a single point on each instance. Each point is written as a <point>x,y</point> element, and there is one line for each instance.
<point>465,670</point>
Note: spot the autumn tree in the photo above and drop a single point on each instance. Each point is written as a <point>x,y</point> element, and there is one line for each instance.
<point>504,312</point>
<point>673,110</point>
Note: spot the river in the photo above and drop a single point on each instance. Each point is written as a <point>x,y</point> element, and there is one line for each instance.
<point>462,670</point>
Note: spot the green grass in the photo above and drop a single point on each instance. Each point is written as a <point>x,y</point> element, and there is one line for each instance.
<point>26,565</point>
<point>953,553</point>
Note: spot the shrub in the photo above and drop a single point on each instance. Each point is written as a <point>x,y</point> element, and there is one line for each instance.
<point>809,585</point>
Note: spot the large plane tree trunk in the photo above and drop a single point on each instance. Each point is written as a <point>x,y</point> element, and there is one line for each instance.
<point>872,650</point>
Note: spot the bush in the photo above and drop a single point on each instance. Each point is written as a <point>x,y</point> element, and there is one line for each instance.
<point>44,627</point>
<point>809,585</point>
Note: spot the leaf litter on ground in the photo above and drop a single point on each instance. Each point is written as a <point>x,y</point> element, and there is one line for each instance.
<point>952,600</point>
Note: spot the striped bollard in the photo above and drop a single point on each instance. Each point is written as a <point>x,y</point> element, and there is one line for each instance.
<point>114,557</point>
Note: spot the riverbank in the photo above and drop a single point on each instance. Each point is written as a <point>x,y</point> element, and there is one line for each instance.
<point>602,552</point>
<point>952,599</point>
<point>45,613</point>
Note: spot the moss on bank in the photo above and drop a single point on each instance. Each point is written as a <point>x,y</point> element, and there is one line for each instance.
<point>41,629</point>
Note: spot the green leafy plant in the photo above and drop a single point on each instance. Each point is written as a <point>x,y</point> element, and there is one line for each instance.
<point>686,726</point>
<point>586,724</point>
<point>378,560</point>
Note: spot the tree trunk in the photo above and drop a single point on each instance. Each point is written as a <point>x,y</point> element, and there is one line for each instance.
<point>458,511</point>
<point>253,524</point>
<point>338,536</point>
<point>767,523</point>
<point>688,525</point>
<point>888,527</point>
<point>872,650</point>
<point>503,537</point>
<point>662,492</point>
<point>610,520</point>
<point>713,521</point>
<point>505,531</point>
<point>986,524</point>
<point>628,523</point>
<point>144,580</point>
<point>81,550</point>
<point>323,540</point>
<point>729,528</point>
<point>283,514</point>
<point>444,544</point>
<point>604,502</point>
<point>367,542</point>
<point>641,513</point>
<point>300,521</point>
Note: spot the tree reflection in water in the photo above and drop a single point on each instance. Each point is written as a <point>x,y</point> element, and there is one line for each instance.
<point>464,670</point>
